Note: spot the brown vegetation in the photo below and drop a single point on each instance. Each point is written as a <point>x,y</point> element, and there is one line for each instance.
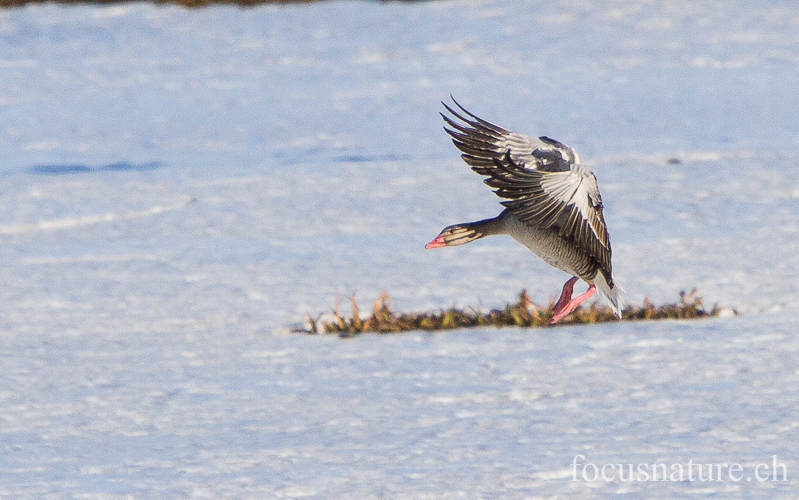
<point>183,3</point>
<point>522,313</point>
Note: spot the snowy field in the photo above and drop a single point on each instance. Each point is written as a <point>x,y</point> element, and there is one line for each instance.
<point>178,188</point>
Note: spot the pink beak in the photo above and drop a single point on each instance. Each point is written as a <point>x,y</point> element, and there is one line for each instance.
<point>436,243</point>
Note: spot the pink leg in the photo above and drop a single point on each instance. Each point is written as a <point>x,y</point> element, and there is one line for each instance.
<point>566,304</point>
<point>566,294</point>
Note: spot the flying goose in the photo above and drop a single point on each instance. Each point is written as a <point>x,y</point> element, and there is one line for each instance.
<point>552,206</point>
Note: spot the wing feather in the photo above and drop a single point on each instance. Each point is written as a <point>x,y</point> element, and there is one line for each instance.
<point>481,141</point>
<point>564,201</point>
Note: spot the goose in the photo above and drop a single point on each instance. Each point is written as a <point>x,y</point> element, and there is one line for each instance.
<point>552,205</point>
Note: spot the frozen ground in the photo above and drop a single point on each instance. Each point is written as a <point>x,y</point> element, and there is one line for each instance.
<point>177,188</point>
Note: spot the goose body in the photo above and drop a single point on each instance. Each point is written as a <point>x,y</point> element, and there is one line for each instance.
<point>552,204</point>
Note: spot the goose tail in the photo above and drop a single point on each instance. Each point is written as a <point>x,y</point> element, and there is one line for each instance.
<point>611,293</point>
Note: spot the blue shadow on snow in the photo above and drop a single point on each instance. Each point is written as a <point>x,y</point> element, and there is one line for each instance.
<point>60,169</point>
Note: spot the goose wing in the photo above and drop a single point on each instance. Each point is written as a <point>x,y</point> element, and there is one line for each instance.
<point>482,142</point>
<point>566,201</point>
<point>542,180</point>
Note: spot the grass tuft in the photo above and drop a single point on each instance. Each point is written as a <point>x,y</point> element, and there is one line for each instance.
<point>521,313</point>
<point>182,3</point>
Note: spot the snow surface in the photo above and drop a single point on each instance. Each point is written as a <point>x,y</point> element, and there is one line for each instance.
<point>180,187</point>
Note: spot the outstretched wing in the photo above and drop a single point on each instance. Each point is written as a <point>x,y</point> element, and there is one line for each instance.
<point>567,201</point>
<point>542,180</point>
<point>482,142</point>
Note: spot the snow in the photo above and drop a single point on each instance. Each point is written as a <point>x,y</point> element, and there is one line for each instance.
<point>180,187</point>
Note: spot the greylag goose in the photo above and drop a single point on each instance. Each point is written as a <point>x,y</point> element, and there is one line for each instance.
<point>552,206</point>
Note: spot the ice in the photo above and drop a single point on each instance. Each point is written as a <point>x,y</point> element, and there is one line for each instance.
<point>181,187</point>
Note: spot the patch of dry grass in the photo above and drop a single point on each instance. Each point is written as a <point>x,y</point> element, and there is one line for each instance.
<point>183,3</point>
<point>521,313</point>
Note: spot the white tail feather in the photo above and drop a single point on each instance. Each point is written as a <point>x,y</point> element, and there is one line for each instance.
<point>612,295</point>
